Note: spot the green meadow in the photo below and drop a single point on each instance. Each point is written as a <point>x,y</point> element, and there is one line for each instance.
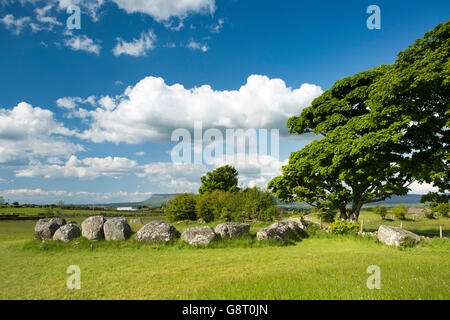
<point>322,266</point>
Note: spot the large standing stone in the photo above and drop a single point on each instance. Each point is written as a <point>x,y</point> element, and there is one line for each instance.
<point>117,229</point>
<point>282,230</point>
<point>199,235</point>
<point>396,236</point>
<point>233,230</point>
<point>67,232</point>
<point>45,229</point>
<point>157,231</point>
<point>92,228</point>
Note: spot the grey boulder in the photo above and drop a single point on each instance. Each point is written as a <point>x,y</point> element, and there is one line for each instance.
<point>282,230</point>
<point>233,230</point>
<point>393,236</point>
<point>92,228</point>
<point>45,229</point>
<point>117,229</point>
<point>199,236</point>
<point>67,232</point>
<point>157,231</point>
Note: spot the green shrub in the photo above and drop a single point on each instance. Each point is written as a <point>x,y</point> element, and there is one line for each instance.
<point>268,214</point>
<point>328,215</point>
<point>205,207</point>
<point>341,227</point>
<point>399,212</point>
<point>442,209</point>
<point>250,204</point>
<point>428,213</point>
<point>381,211</point>
<point>182,207</point>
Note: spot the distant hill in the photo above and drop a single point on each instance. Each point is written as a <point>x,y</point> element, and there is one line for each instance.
<point>154,201</point>
<point>157,200</point>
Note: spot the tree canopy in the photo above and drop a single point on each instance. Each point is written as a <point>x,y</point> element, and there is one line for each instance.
<point>416,94</point>
<point>380,130</point>
<point>223,178</point>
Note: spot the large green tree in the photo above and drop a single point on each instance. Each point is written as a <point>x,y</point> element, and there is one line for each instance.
<point>381,130</point>
<point>354,163</point>
<point>223,178</point>
<point>416,93</point>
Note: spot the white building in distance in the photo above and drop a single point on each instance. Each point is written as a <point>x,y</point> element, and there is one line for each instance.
<point>126,209</point>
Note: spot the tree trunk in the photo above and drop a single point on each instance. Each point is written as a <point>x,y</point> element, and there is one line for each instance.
<point>353,215</point>
<point>343,213</point>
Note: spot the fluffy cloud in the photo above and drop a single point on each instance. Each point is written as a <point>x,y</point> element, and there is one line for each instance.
<point>88,168</point>
<point>27,132</point>
<point>151,110</point>
<point>91,7</point>
<point>15,25</point>
<point>40,196</point>
<point>162,10</point>
<point>197,46</point>
<point>82,43</point>
<point>71,102</point>
<point>174,177</point>
<point>42,15</point>
<point>424,188</point>
<point>137,47</point>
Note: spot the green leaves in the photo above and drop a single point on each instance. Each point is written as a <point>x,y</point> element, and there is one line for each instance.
<point>223,178</point>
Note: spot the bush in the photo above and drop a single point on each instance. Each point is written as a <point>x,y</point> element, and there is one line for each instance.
<point>249,204</point>
<point>442,209</point>
<point>381,211</point>
<point>205,207</point>
<point>182,207</point>
<point>328,215</point>
<point>341,227</point>
<point>428,213</point>
<point>399,212</point>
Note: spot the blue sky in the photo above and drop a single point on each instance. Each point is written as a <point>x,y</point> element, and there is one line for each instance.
<point>86,115</point>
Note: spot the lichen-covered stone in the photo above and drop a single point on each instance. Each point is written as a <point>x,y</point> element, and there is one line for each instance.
<point>45,229</point>
<point>157,231</point>
<point>282,230</point>
<point>199,236</point>
<point>393,236</point>
<point>233,230</point>
<point>92,228</point>
<point>67,232</point>
<point>117,229</point>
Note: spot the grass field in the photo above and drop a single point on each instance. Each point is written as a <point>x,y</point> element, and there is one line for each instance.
<point>322,266</point>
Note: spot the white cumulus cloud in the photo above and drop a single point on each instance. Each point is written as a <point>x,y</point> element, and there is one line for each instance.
<point>162,10</point>
<point>88,168</point>
<point>40,196</point>
<point>27,132</point>
<point>152,109</point>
